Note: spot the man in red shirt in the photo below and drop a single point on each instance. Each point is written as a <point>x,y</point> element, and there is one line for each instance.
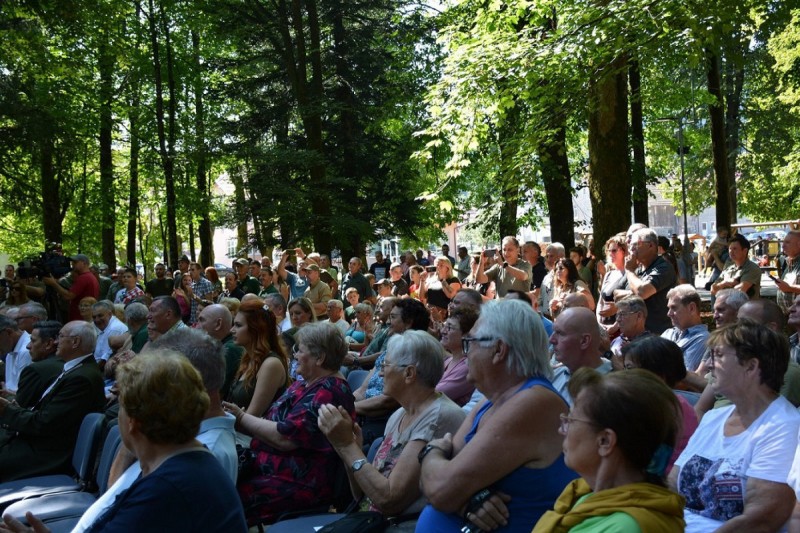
<point>83,284</point>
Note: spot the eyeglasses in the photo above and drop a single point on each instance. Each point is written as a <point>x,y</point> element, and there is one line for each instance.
<point>383,364</point>
<point>466,342</point>
<point>566,420</point>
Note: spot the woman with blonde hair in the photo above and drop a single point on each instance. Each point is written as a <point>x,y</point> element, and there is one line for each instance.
<point>85,307</point>
<point>437,289</point>
<point>263,372</point>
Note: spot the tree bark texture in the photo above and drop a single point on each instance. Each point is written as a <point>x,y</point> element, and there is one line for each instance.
<point>609,166</point>
<point>719,140</point>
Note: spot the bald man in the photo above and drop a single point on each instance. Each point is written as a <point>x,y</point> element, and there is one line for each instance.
<point>216,320</point>
<point>576,341</point>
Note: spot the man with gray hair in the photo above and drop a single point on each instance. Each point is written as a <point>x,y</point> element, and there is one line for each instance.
<point>216,320</point>
<point>631,317</point>
<point>107,325</point>
<point>649,276</point>
<point>727,305</point>
<point>335,313</point>
<point>29,314</point>
<point>552,254</point>
<point>277,304</point>
<point>136,319</point>
<point>688,331</point>
<point>40,440</point>
<point>13,343</point>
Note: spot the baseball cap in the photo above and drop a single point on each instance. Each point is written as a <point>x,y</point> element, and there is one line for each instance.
<point>80,257</point>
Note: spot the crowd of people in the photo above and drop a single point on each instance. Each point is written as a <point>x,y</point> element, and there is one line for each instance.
<point>511,389</point>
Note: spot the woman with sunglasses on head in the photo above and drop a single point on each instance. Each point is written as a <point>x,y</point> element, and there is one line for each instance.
<point>616,251</point>
<point>619,437</point>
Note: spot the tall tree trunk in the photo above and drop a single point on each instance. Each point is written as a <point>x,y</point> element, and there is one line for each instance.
<point>609,167</point>
<point>718,140</point>
<point>734,69</point>
<point>638,168</point>
<point>107,205</point>
<point>206,246</point>
<point>238,179</point>
<point>133,191</point>
<point>51,197</point>
<point>508,179</point>
<point>167,154</point>
<point>558,182</point>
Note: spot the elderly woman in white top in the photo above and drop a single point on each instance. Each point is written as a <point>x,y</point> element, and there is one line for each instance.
<point>734,469</point>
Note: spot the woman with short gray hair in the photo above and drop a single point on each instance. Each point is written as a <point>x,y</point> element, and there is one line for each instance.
<point>412,366</point>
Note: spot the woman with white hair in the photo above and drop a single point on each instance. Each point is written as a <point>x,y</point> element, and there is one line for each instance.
<point>412,367</point>
<point>501,452</point>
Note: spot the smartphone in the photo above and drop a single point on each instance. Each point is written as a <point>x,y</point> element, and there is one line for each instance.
<point>490,253</point>
<point>431,268</point>
<point>773,277</point>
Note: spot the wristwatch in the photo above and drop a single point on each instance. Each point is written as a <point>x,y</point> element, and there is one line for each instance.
<point>426,450</point>
<point>357,464</point>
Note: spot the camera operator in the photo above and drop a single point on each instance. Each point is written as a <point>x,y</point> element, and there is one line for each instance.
<point>83,284</point>
<point>514,273</point>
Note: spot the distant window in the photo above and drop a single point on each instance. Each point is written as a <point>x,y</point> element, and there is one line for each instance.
<point>232,247</point>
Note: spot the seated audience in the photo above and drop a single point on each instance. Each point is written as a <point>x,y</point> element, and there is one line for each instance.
<point>287,441</point>
<point>390,484</point>
<point>576,341</point>
<point>618,437</point>
<point>263,372</point>
<point>45,366</point>
<point>40,440</point>
<point>631,319</point>
<point>688,331</point>
<point>492,450</point>
<point>664,359</point>
<point>216,427</point>
<point>454,380</point>
<point>733,471</point>
<point>175,467</point>
<point>372,406</point>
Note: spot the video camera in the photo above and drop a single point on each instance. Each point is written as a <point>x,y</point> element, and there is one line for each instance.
<point>49,263</point>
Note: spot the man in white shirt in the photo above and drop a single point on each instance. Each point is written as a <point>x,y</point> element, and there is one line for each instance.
<point>107,325</point>
<point>13,342</point>
<point>335,314</point>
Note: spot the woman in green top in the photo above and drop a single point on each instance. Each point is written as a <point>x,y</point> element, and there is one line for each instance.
<point>618,436</point>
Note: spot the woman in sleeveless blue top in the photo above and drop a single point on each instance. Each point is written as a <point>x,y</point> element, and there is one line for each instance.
<point>510,444</point>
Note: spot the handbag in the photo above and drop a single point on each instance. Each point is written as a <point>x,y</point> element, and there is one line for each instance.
<point>360,522</point>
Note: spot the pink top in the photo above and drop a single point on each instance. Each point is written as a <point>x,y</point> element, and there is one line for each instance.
<point>454,382</point>
<point>688,425</point>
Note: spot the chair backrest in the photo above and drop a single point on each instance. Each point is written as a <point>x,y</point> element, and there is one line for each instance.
<point>86,445</point>
<point>110,448</point>
<point>356,377</point>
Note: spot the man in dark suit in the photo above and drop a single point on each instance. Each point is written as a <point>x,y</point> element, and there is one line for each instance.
<point>45,368</point>
<point>40,440</point>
